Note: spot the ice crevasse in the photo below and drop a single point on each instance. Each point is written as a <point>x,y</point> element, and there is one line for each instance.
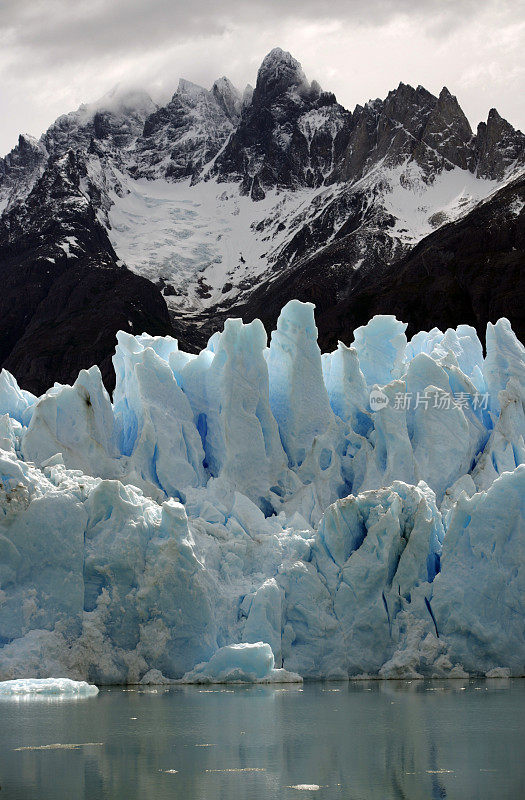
<point>251,513</point>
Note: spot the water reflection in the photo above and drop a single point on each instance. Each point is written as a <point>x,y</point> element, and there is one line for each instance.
<point>358,741</point>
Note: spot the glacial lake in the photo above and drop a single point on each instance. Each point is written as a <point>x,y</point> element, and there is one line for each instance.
<point>463,740</point>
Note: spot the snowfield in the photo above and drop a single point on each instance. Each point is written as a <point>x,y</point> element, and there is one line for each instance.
<point>210,244</point>
<point>200,239</point>
<point>257,513</point>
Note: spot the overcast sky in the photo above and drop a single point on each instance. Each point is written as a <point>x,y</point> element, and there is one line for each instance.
<point>56,54</point>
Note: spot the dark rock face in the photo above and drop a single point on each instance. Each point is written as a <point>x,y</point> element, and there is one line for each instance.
<point>21,167</point>
<point>181,137</point>
<point>498,146</point>
<point>76,323</point>
<point>469,271</point>
<point>409,125</point>
<point>64,297</point>
<point>286,133</point>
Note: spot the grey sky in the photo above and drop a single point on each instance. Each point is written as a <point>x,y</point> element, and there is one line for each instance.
<point>55,54</point>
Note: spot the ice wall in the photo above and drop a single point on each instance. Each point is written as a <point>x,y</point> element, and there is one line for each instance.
<point>360,512</point>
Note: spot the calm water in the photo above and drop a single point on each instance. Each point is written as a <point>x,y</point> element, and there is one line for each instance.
<point>358,741</point>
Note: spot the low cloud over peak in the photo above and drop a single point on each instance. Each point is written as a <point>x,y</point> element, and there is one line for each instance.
<point>54,56</point>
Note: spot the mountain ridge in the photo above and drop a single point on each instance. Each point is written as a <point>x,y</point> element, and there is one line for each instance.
<point>218,197</point>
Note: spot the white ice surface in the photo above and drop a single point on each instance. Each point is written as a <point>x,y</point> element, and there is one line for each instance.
<point>251,495</point>
<point>47,686</point>
<point>241,663</point>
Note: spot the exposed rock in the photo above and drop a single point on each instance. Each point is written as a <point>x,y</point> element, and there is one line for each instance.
<point>64,296</point>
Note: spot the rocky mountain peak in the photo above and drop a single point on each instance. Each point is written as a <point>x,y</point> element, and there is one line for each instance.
<point>372,184</point>
<point>278,73</point>
<point>228,98</point>
<point>408,106</point>
<point>499,146</point>
<point>287,131</point>
<point>447,136</point>
<point>20,168</point>
<point>179,138</point>
<point>116,119</point>
<point>191,91</point>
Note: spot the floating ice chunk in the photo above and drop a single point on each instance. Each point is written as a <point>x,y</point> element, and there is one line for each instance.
<point>381,347</point>
<point>47,686</point>
<point>241,663</point>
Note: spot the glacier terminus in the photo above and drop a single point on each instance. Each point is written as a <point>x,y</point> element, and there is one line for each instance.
<point>248,513</point>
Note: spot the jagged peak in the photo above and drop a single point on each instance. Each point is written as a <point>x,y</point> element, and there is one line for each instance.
<point>494,115</point>
<point>448,105</point>
<point>187,88</point>
<point>407,92</point>
<point>25,140</point>
<point>26,144</point>
<point>227,97</point>
<point>446,94</point>
<point>279,56</point>
<point>224,84</point>
<point>495,120</point>
<point>278,73</point>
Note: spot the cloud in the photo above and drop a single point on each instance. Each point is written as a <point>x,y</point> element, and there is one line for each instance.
<point>58,53</point>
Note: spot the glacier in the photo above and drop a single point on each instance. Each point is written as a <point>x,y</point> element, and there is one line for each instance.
<point>250,513</point>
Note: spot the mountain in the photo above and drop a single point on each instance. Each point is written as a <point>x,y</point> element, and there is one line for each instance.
<point>64,294</point>
<point>470,269</point>
<point>224,203</point>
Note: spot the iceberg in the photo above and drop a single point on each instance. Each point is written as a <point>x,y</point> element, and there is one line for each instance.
<point>47,686</point>
<point>241,663</point>
<point>266,513</point>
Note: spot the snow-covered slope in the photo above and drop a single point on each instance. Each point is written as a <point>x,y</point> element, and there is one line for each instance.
<point>207,245</point>
<point>217,195</point>
<point>359,512</point>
